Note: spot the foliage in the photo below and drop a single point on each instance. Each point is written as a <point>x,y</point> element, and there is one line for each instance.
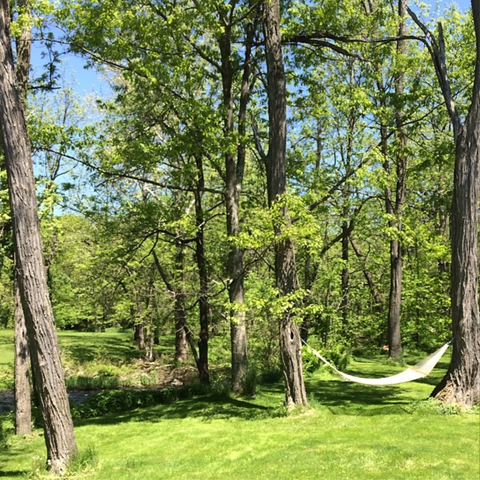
<point>132,181</point>
<point>339,356</point>
<point>114,401</point>
<point>433,406</point>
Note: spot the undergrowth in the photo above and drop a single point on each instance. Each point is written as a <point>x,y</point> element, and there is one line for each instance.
<point>115,401</point>
<point>431,405</point>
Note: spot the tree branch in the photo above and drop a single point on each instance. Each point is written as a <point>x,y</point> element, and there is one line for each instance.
<point>130,176</point>
<point>437,52</point>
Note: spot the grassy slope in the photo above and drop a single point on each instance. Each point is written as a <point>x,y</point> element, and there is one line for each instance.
<point>354,432</point>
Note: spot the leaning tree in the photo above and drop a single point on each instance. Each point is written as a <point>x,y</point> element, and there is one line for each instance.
<point>32,282</point>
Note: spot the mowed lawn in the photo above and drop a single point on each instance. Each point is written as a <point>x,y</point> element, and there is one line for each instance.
<point>351,432</point>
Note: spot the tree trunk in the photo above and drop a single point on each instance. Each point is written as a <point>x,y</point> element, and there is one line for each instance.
<point>395,209</point>
<point>233,185</point>
<point>23,398</point>
<point>203,303</point>
<point>461,384</point>
<point>178,291</point>
<point>140,333</point>
<point>181,348</point>
<point>47,368</point>
<point>311,270</point>
<point>345,304</point>
<point>368,276</point>
<point>285,267</point>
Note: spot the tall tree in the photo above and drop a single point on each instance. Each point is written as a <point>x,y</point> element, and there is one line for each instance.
<point>395,206</point>
<point>461,382</point>
<point>234,171</point>
<point>285,266</point>
<point>47,368</point>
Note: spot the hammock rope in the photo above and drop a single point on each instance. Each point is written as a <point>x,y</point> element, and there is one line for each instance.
<point>420,370</point>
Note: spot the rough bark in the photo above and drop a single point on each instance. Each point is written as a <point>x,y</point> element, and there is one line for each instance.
<point>47,368</point>
<point>23,398</point>
<point>285,267</point>
<point>461,384</point>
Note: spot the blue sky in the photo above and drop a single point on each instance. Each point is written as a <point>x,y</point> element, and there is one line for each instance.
<point>87,81</point>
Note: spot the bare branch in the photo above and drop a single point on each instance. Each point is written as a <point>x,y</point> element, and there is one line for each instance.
<point>437,52</point>
<point>118,174</point>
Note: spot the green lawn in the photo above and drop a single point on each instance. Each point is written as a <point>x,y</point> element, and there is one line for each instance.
<point>351,432</point>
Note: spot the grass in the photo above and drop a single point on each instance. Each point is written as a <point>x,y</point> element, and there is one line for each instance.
<point>353,432</point>
<point>93,360</point>
<point>6,359</point>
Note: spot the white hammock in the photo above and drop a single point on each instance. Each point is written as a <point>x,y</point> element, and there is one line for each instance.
<point>420,370</point>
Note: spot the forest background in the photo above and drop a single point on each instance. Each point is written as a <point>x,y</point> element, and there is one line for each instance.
<point>143,227</point>
<point>260,173</point>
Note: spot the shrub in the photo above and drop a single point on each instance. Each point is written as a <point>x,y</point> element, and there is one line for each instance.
<point>250,383</point>
<point>311,362</point>
<point>114,401</point>
<point>272,376</point>
<point>6,429</point>
<point>338,355</point>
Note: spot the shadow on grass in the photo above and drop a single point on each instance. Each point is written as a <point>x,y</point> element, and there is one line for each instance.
<point>207,408</point>
<point>98,348</point>
<point>13,474</point>
<point>347,398</point>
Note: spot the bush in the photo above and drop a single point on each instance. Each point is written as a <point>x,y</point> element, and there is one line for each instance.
<point>272,376</point>
<point>250,383</point>
<point>115,401</point>
<point>338,355</point>
<point>434,406</point>
<point>80,382</point>
<point>6,429</point>
<point>311,362</point>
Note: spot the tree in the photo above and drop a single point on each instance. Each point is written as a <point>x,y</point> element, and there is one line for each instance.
<point>395,206</point>
<point>460,384</point>
<point>285,266</point>
<point>57,421</point>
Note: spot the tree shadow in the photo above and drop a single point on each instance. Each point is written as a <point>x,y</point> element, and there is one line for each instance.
<point>342,397</point>
<point>108,349</point>
<point>207,408</point>
<point>12,474</point>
